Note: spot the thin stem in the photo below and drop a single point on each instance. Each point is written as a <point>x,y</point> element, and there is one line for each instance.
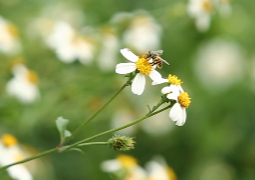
<point>96,113</point>
<point>30,158</point>
<point>93,143</point>
<point>149,114</point>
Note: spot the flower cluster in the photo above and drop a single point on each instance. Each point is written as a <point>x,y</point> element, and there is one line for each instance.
<point>140,66</point>
<point>202,10</point>
<point>126,167</point>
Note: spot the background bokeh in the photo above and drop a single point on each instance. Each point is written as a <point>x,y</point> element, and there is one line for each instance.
<point>217,67</point>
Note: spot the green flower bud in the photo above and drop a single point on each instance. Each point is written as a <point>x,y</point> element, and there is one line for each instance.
<point>121,143</point>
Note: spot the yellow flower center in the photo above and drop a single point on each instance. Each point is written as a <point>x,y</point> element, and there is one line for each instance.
<point>32,77</point>
<point>184,99</point>
<point>143,66</point>
<point>173,79</point>
<point>13,30</point>
<point>207,5</point>
<point>127,161</point>
<point>171,173</point>
<point>9,140</point>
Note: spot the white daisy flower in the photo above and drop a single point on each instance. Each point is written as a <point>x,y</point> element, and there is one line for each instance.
<point>219,64</point>
<point>10,153</point>
<point>144,66</point>
<point>201,11</point>
<point>69,45</point>
<point>178,111</point>
<point>143,34</point>
<point>23,85</point>
<point>124,167</point>
<point>158,170</point>
<point>9,43</point>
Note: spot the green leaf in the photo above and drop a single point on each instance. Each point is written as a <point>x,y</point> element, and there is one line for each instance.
<point>61,125</point>
<point>67,133</point>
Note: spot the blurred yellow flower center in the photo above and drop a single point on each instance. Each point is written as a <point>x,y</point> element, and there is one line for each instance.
<point>127,161</point>
<point>32,77</point>
<point>13,30</point>
<point>173,79</point>
<point>184,99</point>
<point>143,66</point>
<point>9,140</point>
<point>207,5</point>
<point>171,173</point>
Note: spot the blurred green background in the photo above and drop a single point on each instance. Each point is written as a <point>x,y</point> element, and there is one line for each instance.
<point>217,141</point>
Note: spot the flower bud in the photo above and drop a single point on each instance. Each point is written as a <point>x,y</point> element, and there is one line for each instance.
<point>121,143</point>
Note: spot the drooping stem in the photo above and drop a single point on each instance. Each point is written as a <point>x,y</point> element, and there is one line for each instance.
<point>149,114</point>
<point>97,112</point>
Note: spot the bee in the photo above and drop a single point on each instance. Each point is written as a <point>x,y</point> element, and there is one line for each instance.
<point>157,60</point>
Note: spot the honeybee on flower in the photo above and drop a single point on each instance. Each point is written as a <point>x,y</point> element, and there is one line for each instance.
<point>144,65</point>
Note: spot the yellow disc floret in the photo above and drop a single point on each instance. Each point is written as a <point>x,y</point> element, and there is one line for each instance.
<point>9,140</point>
<point>171,173</point>
<point>143,66</point>
<point>32,77</point>
<point>207,5</point>
<point>184,99</point>
<point>127,161</point>
<point>173,79</point>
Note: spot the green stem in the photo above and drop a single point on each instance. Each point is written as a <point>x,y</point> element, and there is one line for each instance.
<point>81,143</point>
<point>96,113</point>
<point>149,114</point>
<point>30,158</point>
<point>93,143</point>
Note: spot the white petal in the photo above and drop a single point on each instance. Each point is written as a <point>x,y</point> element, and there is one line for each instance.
<point>180,88</point>
<point>183,120</point>
<point>172,96</point>
<point>129,55</point>
<point>160,81</point>
<point>111,165</point>
<point>176,114</point>
<point>125,68</point>
<point>155,75</point>
<point>175,89</point>
<point>166,90</point>
<point>138,84</point>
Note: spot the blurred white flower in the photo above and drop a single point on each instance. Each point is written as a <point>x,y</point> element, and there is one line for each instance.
<point>124,167</point>
<point>178,111</point>
<point>144,66</point>
<point>23,85</point>
<point>110,45</point>
<point>219,64</point>
<point>9,43</point>
<point>201,11</point>
<point>158,170</point>
<point>43,24</point>
<point>10,153</point>
<point>69,45</point>
<point>223,6</point>
<point>143,34</point>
